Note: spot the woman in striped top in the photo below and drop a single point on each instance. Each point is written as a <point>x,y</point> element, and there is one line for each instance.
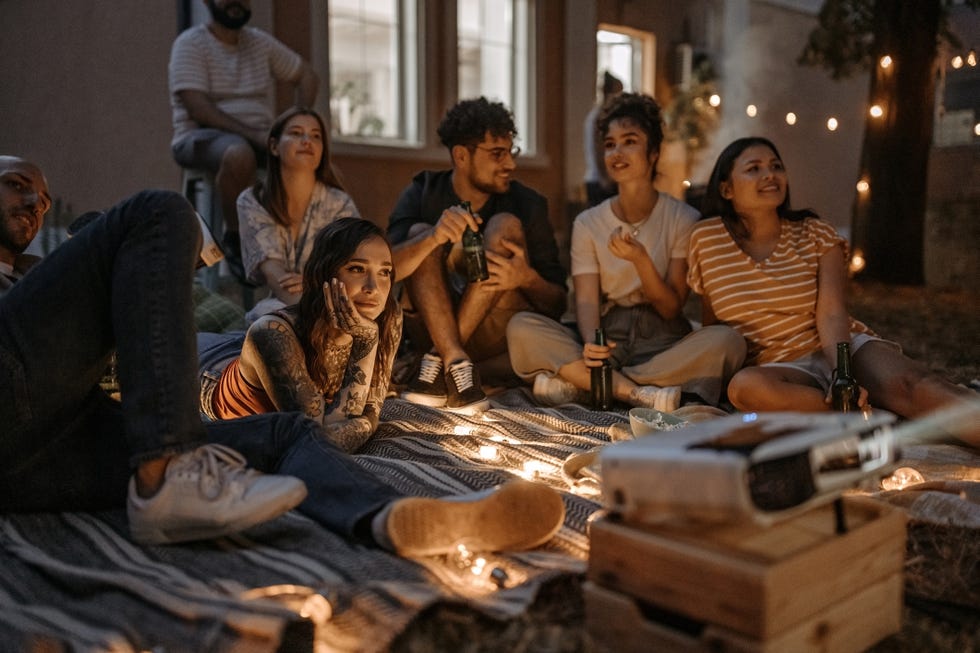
<point>777,275</point>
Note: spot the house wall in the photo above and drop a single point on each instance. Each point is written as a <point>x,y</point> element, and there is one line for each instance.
<point>88,98</point>
<point>83,93</point>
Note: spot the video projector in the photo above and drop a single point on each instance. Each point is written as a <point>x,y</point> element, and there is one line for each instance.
<point>764,467</point>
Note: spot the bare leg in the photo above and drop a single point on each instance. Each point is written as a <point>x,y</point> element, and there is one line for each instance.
<point>237,172</point>
<point>775,388</point>
<point>150,475</point>
<point>907,387</point>
<point>428,289</point>
<point>477,302</point>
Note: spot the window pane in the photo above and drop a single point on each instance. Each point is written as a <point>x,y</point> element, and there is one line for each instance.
<point>373,68</point>
<point>621,55</point>
<point>494,53</point>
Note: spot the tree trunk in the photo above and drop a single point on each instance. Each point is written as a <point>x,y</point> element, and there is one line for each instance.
<point>889,221</point>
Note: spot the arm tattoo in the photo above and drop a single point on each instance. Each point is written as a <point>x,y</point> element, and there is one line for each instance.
<point>277,358</point>
<point>361,347</point>
<point>350,434</point>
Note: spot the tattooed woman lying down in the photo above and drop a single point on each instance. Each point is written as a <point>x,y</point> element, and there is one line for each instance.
<point>328,356</point>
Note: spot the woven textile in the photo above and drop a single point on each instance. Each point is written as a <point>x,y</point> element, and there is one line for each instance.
<point>76,580</point>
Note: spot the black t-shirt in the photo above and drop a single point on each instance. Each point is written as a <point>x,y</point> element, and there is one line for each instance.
<point>431,193</point>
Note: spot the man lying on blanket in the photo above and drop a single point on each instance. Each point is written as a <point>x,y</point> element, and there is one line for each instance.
<point>123,284</point>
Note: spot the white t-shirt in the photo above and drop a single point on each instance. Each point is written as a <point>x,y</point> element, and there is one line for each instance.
<point>238,78</point>
<point>665,235</point>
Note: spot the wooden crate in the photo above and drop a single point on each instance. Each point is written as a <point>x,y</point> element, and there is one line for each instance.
<point>617,623</point>
<point>759,582</point>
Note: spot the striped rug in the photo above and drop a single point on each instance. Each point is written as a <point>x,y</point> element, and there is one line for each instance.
<point>74,581</point>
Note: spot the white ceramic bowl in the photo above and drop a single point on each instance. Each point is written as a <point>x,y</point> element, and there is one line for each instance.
<point>648,421</point>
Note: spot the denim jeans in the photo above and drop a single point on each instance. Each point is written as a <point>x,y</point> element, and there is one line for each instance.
<point>342,495</point>
<point>215,351</point>
<point>123,284</point>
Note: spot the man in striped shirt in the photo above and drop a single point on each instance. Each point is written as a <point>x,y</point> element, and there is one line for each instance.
<point>221,77</point>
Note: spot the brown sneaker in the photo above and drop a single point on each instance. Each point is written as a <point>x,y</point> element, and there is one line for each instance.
<point>514,516</point>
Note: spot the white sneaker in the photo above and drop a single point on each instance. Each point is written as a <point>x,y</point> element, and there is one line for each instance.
<point>554,390</point>
<point>207,493</point>
<point>515,516</point>
<point>666,400</point>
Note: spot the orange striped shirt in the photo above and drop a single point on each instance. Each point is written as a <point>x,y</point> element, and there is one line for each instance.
<point>236,397</point>
<point>772,302</point>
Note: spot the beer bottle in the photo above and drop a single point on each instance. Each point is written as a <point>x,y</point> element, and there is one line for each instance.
<point>602,390</point>
<point>844,392</point>
<point>473,250</point>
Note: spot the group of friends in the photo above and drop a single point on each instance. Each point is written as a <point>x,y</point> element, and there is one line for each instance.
<point>217,432</point>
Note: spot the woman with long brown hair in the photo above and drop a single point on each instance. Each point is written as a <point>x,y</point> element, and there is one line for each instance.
<point>280,216</point>
<point>329,355</point>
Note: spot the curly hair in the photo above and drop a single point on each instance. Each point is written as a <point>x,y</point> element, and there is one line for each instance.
<point>714,204</point>
<point>333,247</point>
<point>468,122</point>
<point>638,109</point>
<point>271,194</point>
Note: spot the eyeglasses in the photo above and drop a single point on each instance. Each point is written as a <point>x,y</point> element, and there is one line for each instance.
<point>498,153</point>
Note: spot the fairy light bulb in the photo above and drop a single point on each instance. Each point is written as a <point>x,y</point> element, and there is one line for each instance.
<point>534,468</point>
<point>876,111</point>
<point>790,118</point>
<point>902,478</point>
<point>714,100</point>
<point>971,59</point>
<point>863,186</point>
<point>857,262</point>
<point>832,124</point>
<point>751,111</point>
<point>885,61</point>
<point>956,62</point>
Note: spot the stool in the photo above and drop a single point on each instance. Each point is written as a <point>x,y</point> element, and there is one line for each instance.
<point>197,186</point>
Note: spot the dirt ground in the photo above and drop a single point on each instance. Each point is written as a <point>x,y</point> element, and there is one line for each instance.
<point>938,327</point>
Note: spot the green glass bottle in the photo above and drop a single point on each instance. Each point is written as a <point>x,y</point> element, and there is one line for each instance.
<point>844,391</point>
<point>602,394</point>
<point>474,251</point>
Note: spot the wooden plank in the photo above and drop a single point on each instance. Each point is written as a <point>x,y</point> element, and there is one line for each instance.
<point>616,623</point>
<point>757,581</point>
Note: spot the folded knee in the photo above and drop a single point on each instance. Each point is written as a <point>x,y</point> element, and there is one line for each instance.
<point>503,226</point>
<point>239,158</point>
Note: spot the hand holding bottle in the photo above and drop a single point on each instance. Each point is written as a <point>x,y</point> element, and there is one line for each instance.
<point>601,386</point>
<point>453,223</point>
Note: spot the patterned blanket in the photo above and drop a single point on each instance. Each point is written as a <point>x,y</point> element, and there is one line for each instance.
<point>74,581</point>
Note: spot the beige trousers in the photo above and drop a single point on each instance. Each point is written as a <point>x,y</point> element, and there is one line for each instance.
<point>701,362</point>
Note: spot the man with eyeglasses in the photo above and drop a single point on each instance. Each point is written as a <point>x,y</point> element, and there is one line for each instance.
<point>458,327</point>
